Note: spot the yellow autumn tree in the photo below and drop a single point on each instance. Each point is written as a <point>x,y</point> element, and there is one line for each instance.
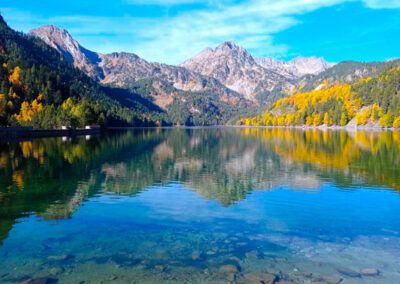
<point>385,120</point>
<point>15,77</point>
<point>2,103</point>
<point>316,119</point>
<point>327,119</point>
<point>362,118</point>
<point>309,120</point>
<point>29,110</point>
<point>343,119</point>
<point>396,122</point>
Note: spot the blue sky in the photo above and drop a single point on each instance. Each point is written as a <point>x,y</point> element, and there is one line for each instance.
<point>171,31</point>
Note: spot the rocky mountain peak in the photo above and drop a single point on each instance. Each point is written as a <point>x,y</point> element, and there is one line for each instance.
<point>310,65</point>
<point>234,67</point>
<point>57,38</point>
<point>61,40</point>
<point>229,46</point>
<point>296,67</point>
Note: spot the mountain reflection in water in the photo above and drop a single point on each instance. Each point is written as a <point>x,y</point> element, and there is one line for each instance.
<point>52,178</point>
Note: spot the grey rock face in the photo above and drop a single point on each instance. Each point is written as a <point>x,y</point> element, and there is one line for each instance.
<point>61,40</point>
<point>234,67</point>
<point>296,67</point>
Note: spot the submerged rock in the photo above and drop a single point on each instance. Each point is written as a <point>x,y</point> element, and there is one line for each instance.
<point>348,272</point>
<point>196,255</point>
<point>228,268</point>
<point>274,271</point>
<point>369,272</point>
<point>60,257</point>
<point>328,279</point>
<point>303,274</point>
<point>266,278</point>
<point>235,258</point>
<point>231,277</point>
<point>252,254</point>
<point>56,270</point>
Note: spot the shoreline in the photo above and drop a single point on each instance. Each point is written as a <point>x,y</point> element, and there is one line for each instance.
<point>320,127</point>
<point>7,133</point>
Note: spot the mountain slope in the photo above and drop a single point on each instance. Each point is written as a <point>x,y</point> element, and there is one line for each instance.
<point>124,69</point>
<point>346,72</point>
<point>39,87</point>
<point>371,101</point>
<point>62,41</point>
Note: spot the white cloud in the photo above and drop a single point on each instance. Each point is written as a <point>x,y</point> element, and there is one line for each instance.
<point>249,24</point>
<point>172,39</point>
<point>382,4</point>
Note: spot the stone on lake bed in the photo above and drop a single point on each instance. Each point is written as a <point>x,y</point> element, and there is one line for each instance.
<point>328,279</point>
<point>274,271</point>
<point>369,272</point>
<point>228,268</point>
<point>348,272</point>
<point>252,254</point>
<point>231,277</point>
<point>266,278</point>
<point>196,255</point>
<point>60,257</point>
<point>56,270</point>
<point>235,258</point>
<point>303,274</point>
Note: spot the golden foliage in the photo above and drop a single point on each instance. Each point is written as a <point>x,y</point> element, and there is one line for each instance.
<point>288,111</point>
<point>362,118</point>
<point>396,122</point>
<point>15,77</point>
<point>29,110</point>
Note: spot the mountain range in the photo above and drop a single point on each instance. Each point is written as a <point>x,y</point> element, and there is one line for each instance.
<point>229,70</point>
<point>218,85</point>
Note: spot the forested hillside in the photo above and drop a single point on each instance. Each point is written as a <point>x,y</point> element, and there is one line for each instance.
<point>39,88</point>
<point>371,101</point>
<point>346,72</point>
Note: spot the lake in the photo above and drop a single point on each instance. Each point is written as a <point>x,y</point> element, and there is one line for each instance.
<point>206,205</point>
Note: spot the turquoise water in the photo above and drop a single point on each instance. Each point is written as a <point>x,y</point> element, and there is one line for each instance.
<point>202,206</point>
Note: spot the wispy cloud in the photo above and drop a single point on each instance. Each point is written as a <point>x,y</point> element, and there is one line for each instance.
<point>172,39</point>
<point>382,4</point>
